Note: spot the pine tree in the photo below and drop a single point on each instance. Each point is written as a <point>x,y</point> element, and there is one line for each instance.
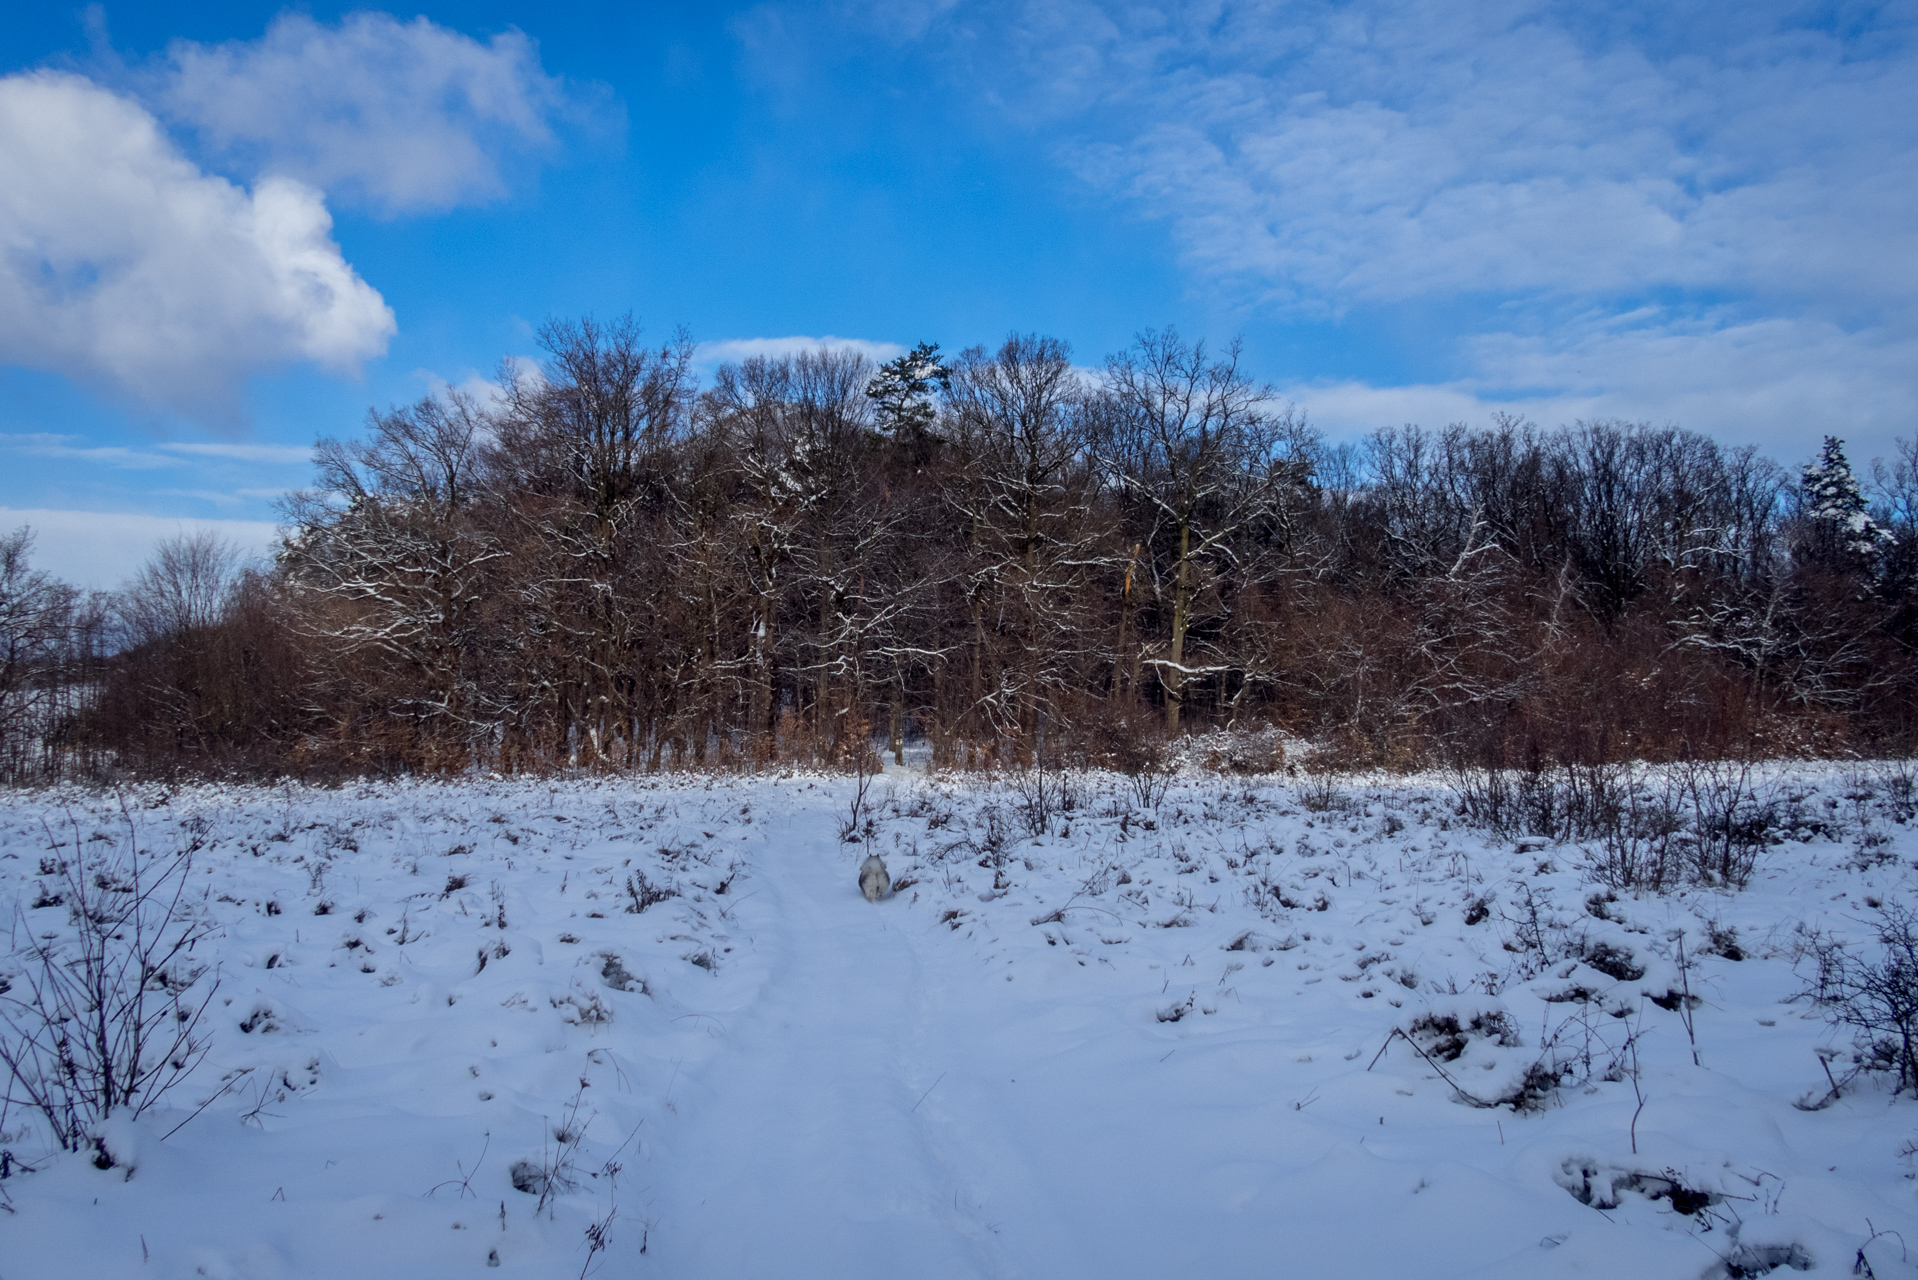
<point>1834,504</point>
<point>903,388</point>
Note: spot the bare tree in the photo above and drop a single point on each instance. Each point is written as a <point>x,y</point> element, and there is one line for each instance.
<point>393,561</point>
<point>183,586</point>
<point>37,618</point>
<point>604,568</point>
<point>584,458</point>
<point>1024,490</point>
<point>750,414</point>
<point>1197,448</point>
<point>842,520</point>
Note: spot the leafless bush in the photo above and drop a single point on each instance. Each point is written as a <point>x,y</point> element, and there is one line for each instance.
<point>1886,789</point>
<point>643,893</point>
<point>1570,801</point>
<point>1876,998</point>
<point>103,1018</point>
<point>556,1171</point>
<point>1762,1259</point>
<point>1538,939</point>
<point>984,838</point>
<point>1319,791</point>
<point>1151,780</point>
<point>1487,798</point>
<point>1446,1038</point>
<point>1898,787</point>
<point>866,765</point>
<point>1042,794</point>
<point>1581,1049</point>
<point>1134,747</point>
<point>1701,822</point>
<point>1240,752</point>
<point>1637,836</point>
<point>1731,822</point>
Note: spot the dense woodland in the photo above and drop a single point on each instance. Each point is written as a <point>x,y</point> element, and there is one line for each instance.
<point>610,566</point>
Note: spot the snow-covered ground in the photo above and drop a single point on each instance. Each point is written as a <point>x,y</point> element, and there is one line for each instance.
<point>1151,1040</point>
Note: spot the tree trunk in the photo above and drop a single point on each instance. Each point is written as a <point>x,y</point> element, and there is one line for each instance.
<point>1181,611</point>
<point>897,742</point>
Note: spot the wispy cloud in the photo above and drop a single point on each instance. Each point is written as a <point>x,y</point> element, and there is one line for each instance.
<point>1779,383</point>
<point>280,453</point>
<point>104,548</point>
<point>490,392</point>
<point>1692,203</point>
<point>1329,156</point>
<point>42,444</point>
<point>216,497</point>
<point>1392,147</point>
<point>736,349</point>
<point>47,444</point>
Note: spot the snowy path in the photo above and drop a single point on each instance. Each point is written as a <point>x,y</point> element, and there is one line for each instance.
<point>801,1151</point>
<point>891,1105</point>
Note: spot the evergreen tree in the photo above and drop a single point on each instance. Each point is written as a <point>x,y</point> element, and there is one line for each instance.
<point>902,390</point>
<point>1841,527</point>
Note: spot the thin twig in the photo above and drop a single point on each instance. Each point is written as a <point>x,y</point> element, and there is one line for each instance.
<point>1432,1062</point>
<point>1685,983</point>
<point>928,1092</point>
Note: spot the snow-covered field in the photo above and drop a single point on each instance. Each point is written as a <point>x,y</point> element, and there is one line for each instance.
<point>1151,1040</point>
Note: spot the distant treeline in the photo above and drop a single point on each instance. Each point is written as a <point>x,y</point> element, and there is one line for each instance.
<point>608,566</point>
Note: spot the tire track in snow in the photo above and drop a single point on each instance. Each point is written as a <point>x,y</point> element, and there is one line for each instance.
<point>798,1151</point>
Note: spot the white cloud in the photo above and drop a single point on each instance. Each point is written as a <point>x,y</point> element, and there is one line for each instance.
<point>736,349</point>
<point>48,444</point>
<point>1781,384</point>
<point>1391,149</point>
<point>1706,213</point>
<point>103,548</point>
<point>282,453</point>
<point>488,392</point>
<point>214,496</point>
<point>399,115</point>
<point>125,267</point>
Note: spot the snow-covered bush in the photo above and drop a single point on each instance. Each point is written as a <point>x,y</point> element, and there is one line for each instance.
<point>1876,998</point>
<point>1644,827</point>
<point>101,1015</point>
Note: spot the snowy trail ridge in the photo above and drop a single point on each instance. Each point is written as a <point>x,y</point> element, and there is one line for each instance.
<point>802,1151</point>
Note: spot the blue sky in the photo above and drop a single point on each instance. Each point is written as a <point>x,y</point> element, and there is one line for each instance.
<point>228,229</point>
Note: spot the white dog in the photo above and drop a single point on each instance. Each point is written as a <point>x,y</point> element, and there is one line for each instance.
<point>873,880</point>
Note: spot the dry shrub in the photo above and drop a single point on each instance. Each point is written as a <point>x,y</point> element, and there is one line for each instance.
<point>105,1017</point>
<point>1877,997</point>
